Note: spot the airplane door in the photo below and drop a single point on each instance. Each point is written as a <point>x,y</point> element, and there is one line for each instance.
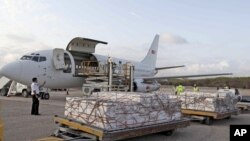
<point>58,59</point>
<point>42,65</point>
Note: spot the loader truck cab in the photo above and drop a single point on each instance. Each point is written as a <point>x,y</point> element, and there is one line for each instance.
<point>21,89</point>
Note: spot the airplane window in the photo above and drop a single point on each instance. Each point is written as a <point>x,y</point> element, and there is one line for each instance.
<point>34,54</point>
<point>35,58</point>
<point>42,59</point>
<point>26,57</point>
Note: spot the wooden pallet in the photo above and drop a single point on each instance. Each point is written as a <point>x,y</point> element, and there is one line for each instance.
<point>206,116</point>
<point>69,129</point>
<point>244,106</point>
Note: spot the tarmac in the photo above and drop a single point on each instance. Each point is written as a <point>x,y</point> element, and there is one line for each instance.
<point>20,125</point>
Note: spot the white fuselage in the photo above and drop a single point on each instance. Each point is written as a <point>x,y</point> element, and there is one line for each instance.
<point>25,69</point>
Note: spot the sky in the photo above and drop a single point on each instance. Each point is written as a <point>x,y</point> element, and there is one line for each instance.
<point>207,36</point>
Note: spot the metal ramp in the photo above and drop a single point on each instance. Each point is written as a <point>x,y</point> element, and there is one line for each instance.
<point>4,85</point>
<point>3,81</point>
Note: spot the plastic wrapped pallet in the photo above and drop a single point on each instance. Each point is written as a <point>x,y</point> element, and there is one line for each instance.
<point>222,101</point>
<point>112,111</point>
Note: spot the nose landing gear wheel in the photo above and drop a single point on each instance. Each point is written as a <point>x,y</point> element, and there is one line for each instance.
<point>46,96</point>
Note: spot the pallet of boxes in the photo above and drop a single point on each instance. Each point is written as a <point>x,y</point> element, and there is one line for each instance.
<point>209,106</point>
<point>121,115</point>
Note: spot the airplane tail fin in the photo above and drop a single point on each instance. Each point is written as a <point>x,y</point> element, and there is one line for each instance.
<point>150,58</point>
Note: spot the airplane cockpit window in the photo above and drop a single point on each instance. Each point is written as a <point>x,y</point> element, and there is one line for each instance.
<point>35,54</point>
<point>26,57</point>
<point>35,58</point>
<point>42,59</point>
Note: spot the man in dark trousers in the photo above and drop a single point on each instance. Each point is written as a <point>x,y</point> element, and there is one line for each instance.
<point>35,94</point>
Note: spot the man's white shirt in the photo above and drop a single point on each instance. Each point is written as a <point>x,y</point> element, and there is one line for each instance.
<point>34,87</point>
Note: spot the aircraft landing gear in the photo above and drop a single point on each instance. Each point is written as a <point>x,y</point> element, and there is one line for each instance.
<point>45,96</point>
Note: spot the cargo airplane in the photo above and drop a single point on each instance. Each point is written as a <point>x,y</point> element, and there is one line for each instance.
<point>59,67</point>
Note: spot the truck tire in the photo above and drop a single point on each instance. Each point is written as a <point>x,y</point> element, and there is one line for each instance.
<point>4,91</point>
<point>25,93</point>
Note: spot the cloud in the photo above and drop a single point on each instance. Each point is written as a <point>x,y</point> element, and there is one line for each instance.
<point>19,38</point>
<point>172,39</point>
<point>26,25</point>
<point>13,51</point>
<point>6,58</point>
<point>222,66</point>
<point>209,67</point>
<point>10,57</point>
<point>135,14</point>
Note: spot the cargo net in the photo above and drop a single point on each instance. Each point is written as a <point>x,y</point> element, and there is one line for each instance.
<point>213,102</point>
<point>113,111</point>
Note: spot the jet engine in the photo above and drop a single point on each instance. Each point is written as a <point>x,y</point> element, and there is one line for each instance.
<point>141,85</point>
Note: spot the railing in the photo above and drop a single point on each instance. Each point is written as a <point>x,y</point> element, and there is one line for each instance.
<point>94,68</point>
<point>88,68</point>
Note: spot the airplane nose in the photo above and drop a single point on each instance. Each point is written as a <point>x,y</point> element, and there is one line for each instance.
<point>11,70</point>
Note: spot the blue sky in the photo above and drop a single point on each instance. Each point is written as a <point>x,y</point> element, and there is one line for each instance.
<point>207,36</point>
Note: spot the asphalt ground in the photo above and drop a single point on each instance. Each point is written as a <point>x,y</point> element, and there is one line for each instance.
<point>19,125</point>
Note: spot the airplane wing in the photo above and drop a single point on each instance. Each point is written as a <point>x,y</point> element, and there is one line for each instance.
<point>170,67</point>
<point>185,76</point>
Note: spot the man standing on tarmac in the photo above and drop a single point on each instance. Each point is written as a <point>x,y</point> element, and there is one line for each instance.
<point>180,89</point>
<point>195,88</point>
<point>35,95</point>
<point>175,89</point>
